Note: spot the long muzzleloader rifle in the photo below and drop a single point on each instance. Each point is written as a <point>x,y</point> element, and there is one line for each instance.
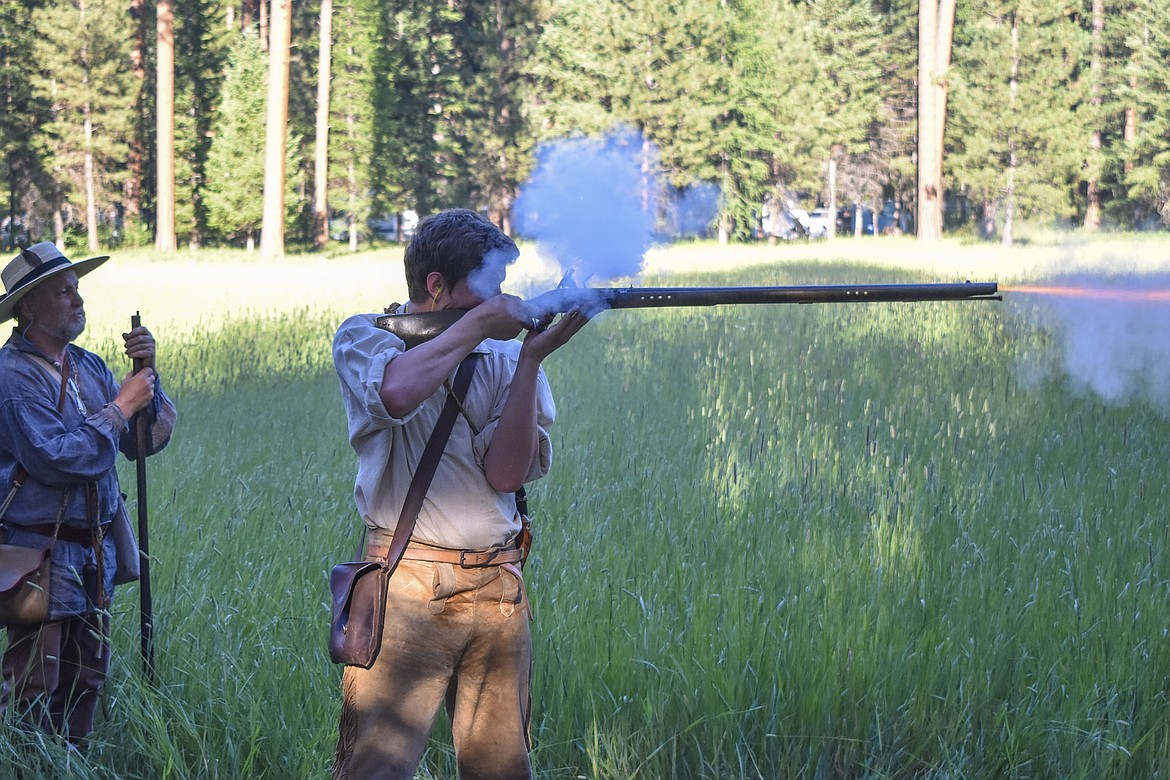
<point>416,328</point>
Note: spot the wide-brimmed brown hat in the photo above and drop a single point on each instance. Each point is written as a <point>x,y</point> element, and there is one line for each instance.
<point>33,266</point>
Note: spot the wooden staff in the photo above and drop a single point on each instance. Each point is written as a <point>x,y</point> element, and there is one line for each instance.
<point>146,610</point>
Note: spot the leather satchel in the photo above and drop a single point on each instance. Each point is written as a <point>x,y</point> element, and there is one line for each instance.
<point>25,571</point>
<point>359,587</point>
<point>24,584</point>
<point>359,610</point>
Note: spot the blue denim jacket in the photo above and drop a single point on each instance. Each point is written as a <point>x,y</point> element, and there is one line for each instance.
<point>71,447</point>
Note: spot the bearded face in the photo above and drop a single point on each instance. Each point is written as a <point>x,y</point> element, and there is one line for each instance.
<point>55,308</point>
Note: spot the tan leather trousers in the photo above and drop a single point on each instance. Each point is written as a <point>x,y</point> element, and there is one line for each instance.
<point>453,635</point>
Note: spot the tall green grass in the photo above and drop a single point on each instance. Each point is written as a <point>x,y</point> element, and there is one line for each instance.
<point>822,541</point>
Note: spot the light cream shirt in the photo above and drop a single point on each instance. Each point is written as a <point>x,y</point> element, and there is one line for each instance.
<point>461,510</point>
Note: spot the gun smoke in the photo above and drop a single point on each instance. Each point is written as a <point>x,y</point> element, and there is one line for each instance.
<point>597,204</point>
<point>1112,334</point>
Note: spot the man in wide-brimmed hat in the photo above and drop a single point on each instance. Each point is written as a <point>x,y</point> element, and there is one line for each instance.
<point>63,420</point>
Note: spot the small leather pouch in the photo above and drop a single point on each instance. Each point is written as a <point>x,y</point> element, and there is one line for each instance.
<point>359,611</point>
<point>25,572</point>
<point>24,584</point>
<point>129,559</point>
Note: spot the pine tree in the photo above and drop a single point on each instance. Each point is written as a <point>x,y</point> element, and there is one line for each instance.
<point>846,35</point>
<point>749,128</point>
<point>82,51</point>
<point>24,176</point>
<point>201,50</point>
<point>1113,116</point>
<point>1018,143</point>
<point>574,71</point>
<point>321,139</point>
<point>351,111</point>
<point>893,141</point>
<point>276,134</point>
<point>235,164</point>
<point>500,39</point>
<point>420,99</point>
<point>774,113</point>
<point>1147,154</point>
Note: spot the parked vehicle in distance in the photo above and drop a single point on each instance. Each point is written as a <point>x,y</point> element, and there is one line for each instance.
<point>819,223</point>
<point>386,227</point>
<point>846,221</point>
<point>382,228</point>
<point>891,220</point>
<point>791,222</point>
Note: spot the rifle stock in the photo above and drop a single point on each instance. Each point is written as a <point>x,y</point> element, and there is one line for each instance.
<point>420,327</point>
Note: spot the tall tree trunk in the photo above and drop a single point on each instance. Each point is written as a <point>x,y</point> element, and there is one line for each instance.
<point>1093,179</point>
<point>724,228</point>
<point>1129,134</point>
<point>164,237</point>
<point>276,137</point>
<point>774,215</point>
<point>13,232</point>
<point>987,211</point>
<point>88,174</point>
<point>936,25</point>
<point>59,228</point>
<point>353,201</point>
<point>321,161</point>
<point>832,181</point>
<point>502,194</point>
<point>135,158</point>
<point>91,227</point>
<point>1009,190</point>
<point>649,196</point>
<point>263,6</point>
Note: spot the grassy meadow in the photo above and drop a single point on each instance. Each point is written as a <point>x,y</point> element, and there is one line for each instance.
<point>851,541</point>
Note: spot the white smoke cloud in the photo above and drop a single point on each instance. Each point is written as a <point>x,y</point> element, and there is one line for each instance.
<point>1113,336</point>
<point>595,205</point>
<point>591,203</point>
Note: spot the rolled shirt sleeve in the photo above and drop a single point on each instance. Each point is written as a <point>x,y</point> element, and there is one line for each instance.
<point>361,352</point>
<point>545,411</point>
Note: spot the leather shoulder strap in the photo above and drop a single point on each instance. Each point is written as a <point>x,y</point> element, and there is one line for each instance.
<point>17,481</point>
<point>429,462</point>
<point>60,376</point>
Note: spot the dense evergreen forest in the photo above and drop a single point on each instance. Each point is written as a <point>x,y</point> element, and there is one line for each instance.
<point>1055,110</point>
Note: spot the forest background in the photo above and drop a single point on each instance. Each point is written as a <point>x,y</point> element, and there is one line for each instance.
<point>1054,111</point>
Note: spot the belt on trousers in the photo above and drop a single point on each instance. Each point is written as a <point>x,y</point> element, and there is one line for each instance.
<point>65,533</point>
<point>468,559</point>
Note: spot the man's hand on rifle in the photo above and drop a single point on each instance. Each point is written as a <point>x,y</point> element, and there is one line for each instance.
<point>502,317</point>
<point>548,338</point>
<point>140,345</point>
<point>136,392</point>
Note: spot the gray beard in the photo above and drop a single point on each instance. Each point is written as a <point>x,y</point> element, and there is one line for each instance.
<point>73,333</point>
<point>67,333</point>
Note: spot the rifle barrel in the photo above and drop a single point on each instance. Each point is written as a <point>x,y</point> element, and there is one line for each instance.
<point>652,297</point>
<point>417,328</point>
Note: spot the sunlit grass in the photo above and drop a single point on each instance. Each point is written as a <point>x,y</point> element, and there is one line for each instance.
<point>790,541</point>
<point>187,290</point>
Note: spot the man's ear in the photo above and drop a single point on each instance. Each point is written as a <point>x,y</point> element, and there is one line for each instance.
<point>435,284</point>
<point>20,311</point>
